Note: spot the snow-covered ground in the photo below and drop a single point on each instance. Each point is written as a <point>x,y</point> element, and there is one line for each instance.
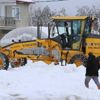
<point>39,81</point>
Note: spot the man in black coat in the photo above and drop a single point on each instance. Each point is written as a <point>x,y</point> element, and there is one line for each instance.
<point>92,68</point>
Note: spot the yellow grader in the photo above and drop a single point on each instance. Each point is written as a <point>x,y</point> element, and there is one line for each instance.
<point>70,38</point>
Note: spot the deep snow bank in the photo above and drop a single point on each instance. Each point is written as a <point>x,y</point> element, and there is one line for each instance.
<point>39,81</point>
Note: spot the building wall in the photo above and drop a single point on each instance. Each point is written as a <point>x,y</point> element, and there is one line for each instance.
<point>8,11</point>
<point>6,7</point>
<point>24,15</point>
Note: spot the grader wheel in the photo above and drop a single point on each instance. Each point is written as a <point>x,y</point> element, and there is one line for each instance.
<point>1,63</point>
<point>4,61</point>
<point>78,59</point>
<point>18,62</point>
<point>15,63</point>
<point>23,61</point>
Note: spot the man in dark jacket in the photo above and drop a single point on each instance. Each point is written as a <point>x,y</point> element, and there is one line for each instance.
<point>92,68</point>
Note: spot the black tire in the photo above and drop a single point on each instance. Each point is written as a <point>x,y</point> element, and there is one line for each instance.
<point>16,63</point>
<point>5,61</point>
<point>80,57</point>
<point>24,61</point>
<point>98,58</point>
<point>20,62</point>
<point>12,65</point>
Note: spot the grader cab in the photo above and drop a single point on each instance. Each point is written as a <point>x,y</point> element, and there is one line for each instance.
<point>70,38</point>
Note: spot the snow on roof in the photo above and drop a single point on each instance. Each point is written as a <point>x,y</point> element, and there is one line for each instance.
<point>28,1</point>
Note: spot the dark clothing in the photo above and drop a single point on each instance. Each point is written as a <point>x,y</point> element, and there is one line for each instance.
<point>92,66</point>
<point>92,69</point>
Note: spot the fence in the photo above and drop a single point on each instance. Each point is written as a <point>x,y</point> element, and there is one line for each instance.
<point>7,21</point>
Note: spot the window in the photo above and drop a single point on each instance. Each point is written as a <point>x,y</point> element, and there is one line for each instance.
<point>16,13</point>
<point>67,33</point>
<point>76,34</point>
<point>76,27</point>
<point>61,27</point>
<point>88,25</point>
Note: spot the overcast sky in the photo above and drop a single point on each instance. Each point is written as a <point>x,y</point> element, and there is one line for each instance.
<point>70,5</point>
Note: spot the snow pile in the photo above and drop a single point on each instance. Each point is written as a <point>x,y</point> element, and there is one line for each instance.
<point>23,34</point>
<point>39,81</point>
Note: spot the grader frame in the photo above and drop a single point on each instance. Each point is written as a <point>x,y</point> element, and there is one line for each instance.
<point>70,38</point>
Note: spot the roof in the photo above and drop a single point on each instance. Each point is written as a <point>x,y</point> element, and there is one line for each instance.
<point>25,1</point>
<point>7,2</point>
<point>69,17</point>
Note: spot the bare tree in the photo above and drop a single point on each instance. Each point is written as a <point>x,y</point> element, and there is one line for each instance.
<point>44,15</point>
<point>89,11</point>
<point>35,16</point>
<point>62,12</point>
<point>83,11</point>
<point>41,14</point>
